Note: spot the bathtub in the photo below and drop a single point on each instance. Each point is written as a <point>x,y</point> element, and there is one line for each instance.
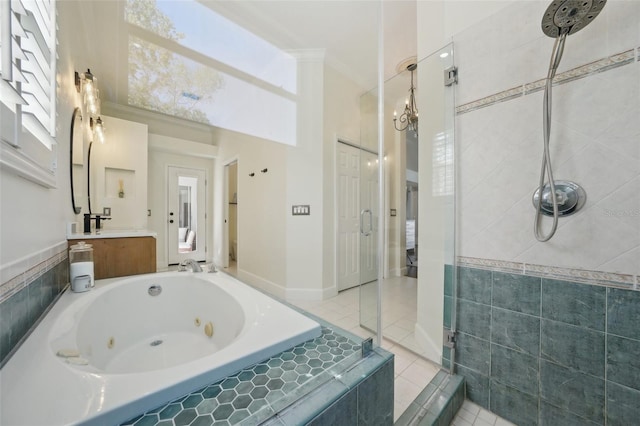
<point>134,343</point>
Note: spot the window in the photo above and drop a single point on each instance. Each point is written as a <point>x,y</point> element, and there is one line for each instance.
<point>28,88</point>
<point>188,61</point>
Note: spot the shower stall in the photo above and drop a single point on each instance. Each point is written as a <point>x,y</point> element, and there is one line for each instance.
<point>545,326</point>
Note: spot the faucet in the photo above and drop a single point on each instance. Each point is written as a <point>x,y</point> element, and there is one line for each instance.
<point>88,217</point>
<point>189,262</point>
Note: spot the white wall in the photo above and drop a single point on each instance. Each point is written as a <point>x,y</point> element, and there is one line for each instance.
<point>304,183</point>
<point>123,157</point>
<point>261,208</point>
<point>35,218</point>
<point>291,256</point>
<point>439,20</point>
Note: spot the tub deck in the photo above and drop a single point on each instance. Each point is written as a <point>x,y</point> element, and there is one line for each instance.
<point>38,388</point>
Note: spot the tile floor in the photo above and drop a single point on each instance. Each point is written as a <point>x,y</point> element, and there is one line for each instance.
<point>472,414</point>
<point>412,371</point>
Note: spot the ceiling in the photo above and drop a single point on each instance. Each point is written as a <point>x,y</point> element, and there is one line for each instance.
<point>346,29</point>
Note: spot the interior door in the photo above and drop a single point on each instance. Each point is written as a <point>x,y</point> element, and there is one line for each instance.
<point>368,240</point>
<point>348,203</point>
<point>186,215</point>
<point>368,217</point>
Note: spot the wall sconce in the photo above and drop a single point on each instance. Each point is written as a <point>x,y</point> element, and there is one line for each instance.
<point>98,129</point>
<point>87,85</point>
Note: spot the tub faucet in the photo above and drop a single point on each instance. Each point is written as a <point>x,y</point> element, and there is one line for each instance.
<point>189,262</point>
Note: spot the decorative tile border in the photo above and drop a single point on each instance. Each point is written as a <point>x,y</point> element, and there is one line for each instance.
<point>494,265</point>
<point>599,278</point>
<point>505,95</point>
<point>55,255</point>
<point>601,65</point>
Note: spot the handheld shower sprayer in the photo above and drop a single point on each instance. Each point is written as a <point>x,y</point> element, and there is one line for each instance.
<point>559,198</point>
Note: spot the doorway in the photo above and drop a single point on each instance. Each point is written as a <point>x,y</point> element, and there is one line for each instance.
<point>411,230</point>
<point>357,218</point>
<point>186,214</point>
<point>231,221</point>
<point>411,208</point>
<point>357,196</point>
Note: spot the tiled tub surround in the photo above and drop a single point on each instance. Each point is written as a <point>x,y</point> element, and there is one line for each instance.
<point>594,139</point>
<point>544,351</point>
<point>137,348</point>
<point>437,404</point>
<point>324,381</point>
<point>29,288</point>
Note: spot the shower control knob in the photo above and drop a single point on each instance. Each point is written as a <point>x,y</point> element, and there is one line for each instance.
<point>569,195</point>
<point>561,197</point>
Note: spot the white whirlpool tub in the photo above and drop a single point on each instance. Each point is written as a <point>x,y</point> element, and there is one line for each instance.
<point>134,343</point>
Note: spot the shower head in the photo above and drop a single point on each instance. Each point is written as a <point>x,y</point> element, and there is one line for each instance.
<point>570,16</point>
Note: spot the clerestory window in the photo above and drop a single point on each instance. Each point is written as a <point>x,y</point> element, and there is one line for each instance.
<point>188,61</point>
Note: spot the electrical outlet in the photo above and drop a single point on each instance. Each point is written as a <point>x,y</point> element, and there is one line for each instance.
<point>106,211</point>
<point>301,210</point>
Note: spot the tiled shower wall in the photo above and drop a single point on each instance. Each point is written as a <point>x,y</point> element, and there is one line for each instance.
<point>540,351</point>
<point>594,138</point>
<point>29,288</point>
<point>546,330</point>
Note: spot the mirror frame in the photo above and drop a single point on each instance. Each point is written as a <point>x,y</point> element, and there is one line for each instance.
<point>76,113</point>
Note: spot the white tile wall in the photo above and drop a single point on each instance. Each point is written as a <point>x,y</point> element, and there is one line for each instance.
<point>509,48</point>
<point>595,141</point>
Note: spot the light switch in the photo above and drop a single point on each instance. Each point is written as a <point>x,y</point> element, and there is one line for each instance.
<point>301,210</point>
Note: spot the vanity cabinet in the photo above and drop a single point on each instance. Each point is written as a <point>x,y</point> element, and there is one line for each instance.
<point>119,257</point>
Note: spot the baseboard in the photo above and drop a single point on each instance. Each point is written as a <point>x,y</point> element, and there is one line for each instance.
<point>432,350</point>
<point>259,282</point>
<point>283,292</point>
<point>310,294</point>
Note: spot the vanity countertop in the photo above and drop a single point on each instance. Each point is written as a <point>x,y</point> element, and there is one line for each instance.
<point>113,233</point>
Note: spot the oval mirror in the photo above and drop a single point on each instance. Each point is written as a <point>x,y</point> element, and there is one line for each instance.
<point>76,160</point>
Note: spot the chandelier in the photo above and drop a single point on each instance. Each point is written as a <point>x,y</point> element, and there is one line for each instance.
<point>409,117</point>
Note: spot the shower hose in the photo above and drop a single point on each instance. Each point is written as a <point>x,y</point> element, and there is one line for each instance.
<point>546,170</point>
